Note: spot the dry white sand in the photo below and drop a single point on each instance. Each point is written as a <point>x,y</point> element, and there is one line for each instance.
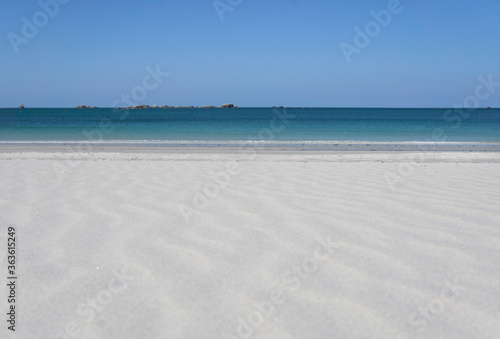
<point>277,246</point>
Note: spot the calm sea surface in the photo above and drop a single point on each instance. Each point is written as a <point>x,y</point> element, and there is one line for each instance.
<point>250,124</point>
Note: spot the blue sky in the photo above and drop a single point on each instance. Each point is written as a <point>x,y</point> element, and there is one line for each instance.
<point>263,53</point>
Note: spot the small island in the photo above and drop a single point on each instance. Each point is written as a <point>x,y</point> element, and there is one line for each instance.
<point>154,106</point>
<point>166,106</point>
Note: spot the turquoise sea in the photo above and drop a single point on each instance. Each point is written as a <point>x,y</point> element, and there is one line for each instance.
<point>246,125</point>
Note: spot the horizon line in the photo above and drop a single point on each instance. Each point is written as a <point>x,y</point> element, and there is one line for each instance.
<point>236,107</point>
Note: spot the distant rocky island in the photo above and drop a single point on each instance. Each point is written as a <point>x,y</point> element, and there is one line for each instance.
<point>155,106</point>
<point>86,106</point>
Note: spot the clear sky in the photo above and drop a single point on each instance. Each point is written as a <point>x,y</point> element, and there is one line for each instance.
<point>263,53</point>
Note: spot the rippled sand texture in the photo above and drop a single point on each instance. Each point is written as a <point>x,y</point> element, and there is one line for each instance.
<point>118,247</point>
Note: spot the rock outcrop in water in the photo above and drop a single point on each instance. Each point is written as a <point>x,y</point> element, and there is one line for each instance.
<point>21,106</point>
<point>83,106</point>
<point>166,106</point>
<point>139,107</point>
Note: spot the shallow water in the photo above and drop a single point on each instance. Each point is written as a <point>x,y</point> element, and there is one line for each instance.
<point>265,125</point>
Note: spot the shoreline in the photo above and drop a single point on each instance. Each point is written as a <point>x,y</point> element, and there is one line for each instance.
<point>264,156</point>
<point>202,146</point>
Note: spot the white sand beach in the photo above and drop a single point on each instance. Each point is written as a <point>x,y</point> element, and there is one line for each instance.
<point>297,245</point>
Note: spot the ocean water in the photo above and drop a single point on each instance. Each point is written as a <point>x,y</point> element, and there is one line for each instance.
<point>240,125</point>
